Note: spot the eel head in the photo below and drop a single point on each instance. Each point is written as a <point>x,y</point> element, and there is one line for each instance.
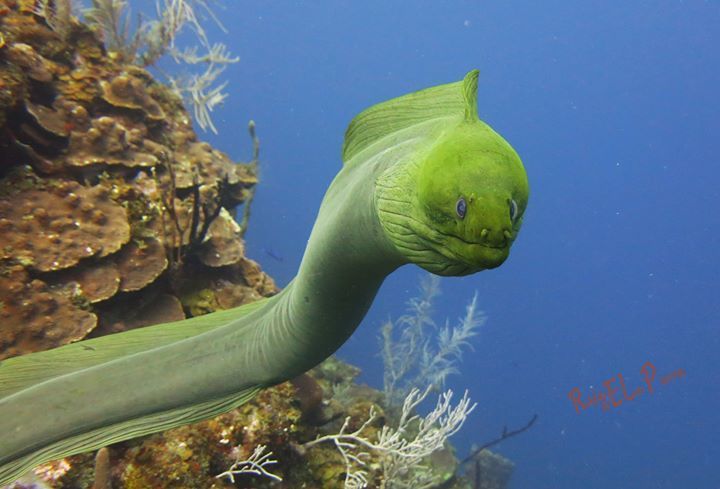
<point>456,208</point>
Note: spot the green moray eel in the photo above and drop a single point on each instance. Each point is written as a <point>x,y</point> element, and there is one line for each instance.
<point>423,181</point>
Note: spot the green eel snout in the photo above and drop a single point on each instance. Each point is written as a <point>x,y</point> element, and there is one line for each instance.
<point>470,193</point>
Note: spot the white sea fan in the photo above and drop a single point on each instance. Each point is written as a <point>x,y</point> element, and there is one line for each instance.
<point>423,354</point>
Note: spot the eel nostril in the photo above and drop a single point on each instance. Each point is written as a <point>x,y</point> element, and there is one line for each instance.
<point>484,233</point>
<point>507,234</point>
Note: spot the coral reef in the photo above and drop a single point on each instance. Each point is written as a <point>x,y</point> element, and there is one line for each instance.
<point>107,197</point>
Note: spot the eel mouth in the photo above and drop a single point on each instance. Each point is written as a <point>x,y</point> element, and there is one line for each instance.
<point>439,252</point>
<point>462,257</point>
<point>486,257</point>
<point>478,243</point>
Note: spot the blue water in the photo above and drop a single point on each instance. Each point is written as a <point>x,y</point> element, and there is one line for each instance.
<point>613,107</point>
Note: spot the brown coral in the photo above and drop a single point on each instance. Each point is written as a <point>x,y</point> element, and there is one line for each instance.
<point>13,89</point>
<point>60,118</point>
<point>253,276</point>
<point>81,83</point>
<point>34,65</point>
<point>49,119</point>
<point>35,316</point>
<point>127,91</point>
<point>44,130</point>
<point>309,394</point>
<point>109,142</point>
<point>205,290</point>
<point>54,228</point>
<point>97,283</point>
<point>224,244</point>
<point>199,164</point>
<point>133,312</point>
<point>140,263</point>
<point>166,308</point>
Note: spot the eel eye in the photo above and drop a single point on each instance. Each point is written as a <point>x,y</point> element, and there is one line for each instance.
<point>513,209</point>
<point>461,207</point>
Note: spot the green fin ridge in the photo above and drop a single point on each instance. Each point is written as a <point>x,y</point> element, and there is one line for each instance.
<point>384,120</point>
<point>470,93</point>
<point>101,437</point>
<point>21,372</point>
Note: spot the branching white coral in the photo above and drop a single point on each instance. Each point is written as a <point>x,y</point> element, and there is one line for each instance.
<point>217,54</point>
<point>401,454</point>
<point>417,357</point>
<point>256,464</point>
<point>202,96</point>
<point>437,363</point>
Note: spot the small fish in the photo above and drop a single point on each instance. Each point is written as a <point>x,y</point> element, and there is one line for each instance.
<point>271,253</point>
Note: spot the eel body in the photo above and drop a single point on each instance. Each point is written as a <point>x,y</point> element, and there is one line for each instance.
<point>388,206</point>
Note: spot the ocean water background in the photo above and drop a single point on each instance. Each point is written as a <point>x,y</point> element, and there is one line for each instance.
<point>613,107</point>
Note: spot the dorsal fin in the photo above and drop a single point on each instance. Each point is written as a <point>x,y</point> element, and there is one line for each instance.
<point>458,99</point>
